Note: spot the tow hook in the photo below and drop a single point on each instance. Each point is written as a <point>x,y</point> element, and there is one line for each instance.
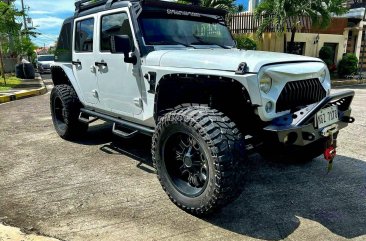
<point>330,150</point>
<point>329,155</point>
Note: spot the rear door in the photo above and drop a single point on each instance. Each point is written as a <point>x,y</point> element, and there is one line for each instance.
<point>83,58</point>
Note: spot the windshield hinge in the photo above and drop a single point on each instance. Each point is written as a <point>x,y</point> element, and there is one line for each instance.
<point>151,79</point>
<point>242,69</point>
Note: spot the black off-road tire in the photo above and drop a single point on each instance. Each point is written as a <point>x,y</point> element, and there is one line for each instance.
<point>222,146</point>
<point>65,110</point>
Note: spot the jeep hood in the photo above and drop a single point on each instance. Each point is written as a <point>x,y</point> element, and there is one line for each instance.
<point>46,62</point>
<point>220,59</point>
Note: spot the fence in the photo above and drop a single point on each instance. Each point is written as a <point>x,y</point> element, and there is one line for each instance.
<point>248,23</point>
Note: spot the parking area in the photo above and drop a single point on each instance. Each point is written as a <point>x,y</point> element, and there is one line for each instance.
<point>104,187</point>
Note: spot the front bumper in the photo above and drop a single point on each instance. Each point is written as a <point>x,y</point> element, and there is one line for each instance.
<point>299,128</point>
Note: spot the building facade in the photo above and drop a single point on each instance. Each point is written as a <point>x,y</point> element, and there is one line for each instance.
<point>346,33</point>
<point>355,31</point>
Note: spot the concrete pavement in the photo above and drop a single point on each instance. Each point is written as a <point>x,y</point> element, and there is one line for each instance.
<point>104,188</point>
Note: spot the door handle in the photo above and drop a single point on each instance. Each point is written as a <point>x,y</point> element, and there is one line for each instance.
<point>76,62</point>
<point>101,64</point>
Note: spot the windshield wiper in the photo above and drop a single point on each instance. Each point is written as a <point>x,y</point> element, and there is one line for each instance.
<point>207,43</point>
<point>172,43</point>
<point>200,41</point>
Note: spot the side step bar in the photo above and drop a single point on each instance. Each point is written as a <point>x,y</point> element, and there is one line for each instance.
<point>130,125</point>
<point>121,133</point>
<point>85,118</point>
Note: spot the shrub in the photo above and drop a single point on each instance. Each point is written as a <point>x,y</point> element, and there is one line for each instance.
<point>326,54</point>
<point>245,42</point>
<point>348,65</point>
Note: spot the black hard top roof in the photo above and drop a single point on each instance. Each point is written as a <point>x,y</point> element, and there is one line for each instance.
<point>102,5</point>
<point>182,7</point>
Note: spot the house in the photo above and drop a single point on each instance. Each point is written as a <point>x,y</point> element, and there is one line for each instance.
<point>355,31</point>
<point>346,33</point>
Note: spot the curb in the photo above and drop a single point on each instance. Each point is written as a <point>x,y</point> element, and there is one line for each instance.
<point>22,94</point>
<point>345,83</point>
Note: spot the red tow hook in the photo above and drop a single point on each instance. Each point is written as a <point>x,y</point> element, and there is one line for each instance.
<point>329,155</point>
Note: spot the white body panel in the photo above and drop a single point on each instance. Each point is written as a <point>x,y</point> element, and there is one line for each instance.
<point>220,59</point>
<point>119,83</point>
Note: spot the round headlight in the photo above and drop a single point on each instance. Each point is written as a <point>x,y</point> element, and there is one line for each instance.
<point>323,76</point>
<point>265,83</point>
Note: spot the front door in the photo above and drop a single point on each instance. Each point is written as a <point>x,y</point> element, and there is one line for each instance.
<point>119,82</point>
<point>83,58</point>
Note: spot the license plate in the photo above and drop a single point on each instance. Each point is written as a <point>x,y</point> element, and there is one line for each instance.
<point>327,116</point>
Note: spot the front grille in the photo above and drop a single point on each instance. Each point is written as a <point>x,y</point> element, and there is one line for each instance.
<point>300,93</point>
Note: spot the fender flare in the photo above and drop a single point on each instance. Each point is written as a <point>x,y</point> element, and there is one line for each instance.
<point>62,73</point>
<point>194,76</point>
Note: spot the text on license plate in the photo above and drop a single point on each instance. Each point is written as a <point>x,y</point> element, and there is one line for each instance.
<point>326,116</point>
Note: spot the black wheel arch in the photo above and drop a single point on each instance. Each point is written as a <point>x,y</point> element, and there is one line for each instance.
<point>222,93</point>
<point>59,76</point>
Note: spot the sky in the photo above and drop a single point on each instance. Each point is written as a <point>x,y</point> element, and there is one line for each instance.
<point>48,16</point>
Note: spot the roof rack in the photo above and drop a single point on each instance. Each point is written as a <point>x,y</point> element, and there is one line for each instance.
<point>81,5</point>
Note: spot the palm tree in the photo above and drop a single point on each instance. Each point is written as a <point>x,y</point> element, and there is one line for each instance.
<point>221,4</point>
<point>276,13</point>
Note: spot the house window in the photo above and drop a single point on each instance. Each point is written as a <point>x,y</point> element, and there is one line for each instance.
<point>299,48</point>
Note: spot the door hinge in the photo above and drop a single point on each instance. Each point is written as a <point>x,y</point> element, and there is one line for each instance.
<point>138,102</point>
<point>151,79</point>
<point>95,94</point>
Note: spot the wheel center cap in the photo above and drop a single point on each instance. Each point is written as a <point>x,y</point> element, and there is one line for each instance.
<point>187,161</point>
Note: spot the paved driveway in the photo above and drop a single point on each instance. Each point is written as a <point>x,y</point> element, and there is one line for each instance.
<point>104,188</point>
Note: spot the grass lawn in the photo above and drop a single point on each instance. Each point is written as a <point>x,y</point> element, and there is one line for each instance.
<point>11,81</point>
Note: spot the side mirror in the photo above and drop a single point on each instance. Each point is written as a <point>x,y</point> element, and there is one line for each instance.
<point>121,44</point>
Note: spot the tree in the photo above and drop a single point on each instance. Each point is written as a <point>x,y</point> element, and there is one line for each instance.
<point>13,40</point>
<point>8,27</point>
<point>27,47</point>
<point>245,42</point>
<point>276,13</point>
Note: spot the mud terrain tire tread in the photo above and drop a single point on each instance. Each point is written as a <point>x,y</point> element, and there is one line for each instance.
<point>226,146</point>
<point>74,129</point>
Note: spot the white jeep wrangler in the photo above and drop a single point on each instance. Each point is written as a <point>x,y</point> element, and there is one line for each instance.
<point>172,71</point>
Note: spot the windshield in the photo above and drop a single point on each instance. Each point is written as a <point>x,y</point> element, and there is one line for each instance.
<point>162,31</point>
<point>46,58</point>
